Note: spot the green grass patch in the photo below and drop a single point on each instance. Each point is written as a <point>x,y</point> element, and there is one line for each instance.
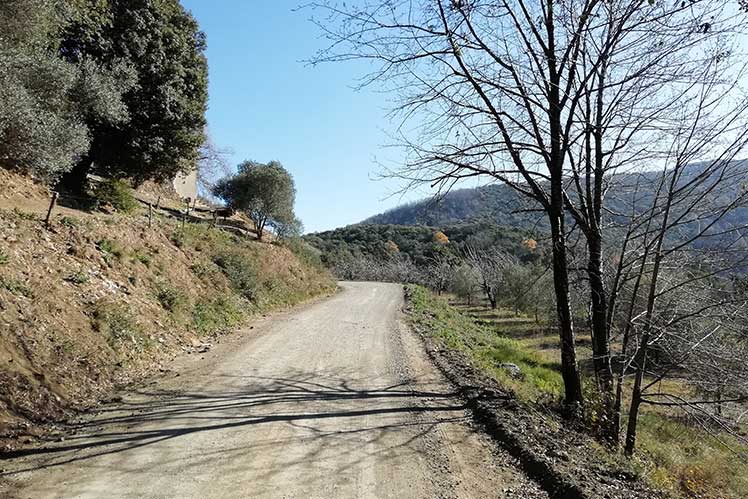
<point>220,313</point>
<point>538,377</point>
<point>16,287</point>
<point>4,258</point>
<point>25,215</point>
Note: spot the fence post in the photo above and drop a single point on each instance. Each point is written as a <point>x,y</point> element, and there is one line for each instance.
<point>52,204</point>
<point>150,215</point>
<point>215,218</point>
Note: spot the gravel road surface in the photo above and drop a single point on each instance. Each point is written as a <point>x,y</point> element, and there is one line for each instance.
<point>332,400</point>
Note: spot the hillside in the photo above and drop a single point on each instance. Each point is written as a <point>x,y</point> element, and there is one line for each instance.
<point>419,243</point>
<point>97,300</point>
<point>499,204</point>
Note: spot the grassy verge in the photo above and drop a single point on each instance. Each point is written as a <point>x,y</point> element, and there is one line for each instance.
<point>675,456</point>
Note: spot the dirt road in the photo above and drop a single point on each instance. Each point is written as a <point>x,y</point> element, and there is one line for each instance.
<point>335,399</point>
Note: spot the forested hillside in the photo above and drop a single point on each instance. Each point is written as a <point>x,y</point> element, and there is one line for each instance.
<point>421,244</point>
<point>502,205</point>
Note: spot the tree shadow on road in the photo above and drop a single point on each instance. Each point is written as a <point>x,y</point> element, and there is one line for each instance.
<point>325,409</point>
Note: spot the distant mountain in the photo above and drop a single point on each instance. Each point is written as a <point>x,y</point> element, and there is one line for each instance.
<point>503,206</point>
<point>491,203</point>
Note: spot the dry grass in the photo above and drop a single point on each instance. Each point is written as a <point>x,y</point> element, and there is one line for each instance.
<point>97,301</point>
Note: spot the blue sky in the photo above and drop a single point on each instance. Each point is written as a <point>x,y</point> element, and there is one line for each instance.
<point>265,104</point>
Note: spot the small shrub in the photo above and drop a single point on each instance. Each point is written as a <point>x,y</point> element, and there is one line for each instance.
<point>116,193</point>
<point>170,298</point>
<point>143,258</point>
<point>205,270</point>
<point>216,314</point>
<point>16,287</point>
<point>178,239</point>
<point>109,247</point>
<point>70,222</point>
<point>78,278</point>
<point>118,323</point>
<point>25,215</point>
<point>240,272</point>
<point>4,258</point>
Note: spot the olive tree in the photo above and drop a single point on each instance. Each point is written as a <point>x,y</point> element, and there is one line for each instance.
<point>265,192</point>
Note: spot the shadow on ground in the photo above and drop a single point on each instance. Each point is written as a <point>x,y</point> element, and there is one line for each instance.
<point>306,401</point>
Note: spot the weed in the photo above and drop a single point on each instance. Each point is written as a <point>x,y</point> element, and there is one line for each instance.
<point>117,194</point>
<point>240,272</point>
<point>118,323</point>
<point>78,278</point>
<point>216,314</point>
<point>25,215</point>
<point>70,222</point>
<point>4,258</point>
<point>170,298</point>
<point>16,287</point>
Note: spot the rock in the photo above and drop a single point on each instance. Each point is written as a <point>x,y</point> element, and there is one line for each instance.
<point>512,369</point>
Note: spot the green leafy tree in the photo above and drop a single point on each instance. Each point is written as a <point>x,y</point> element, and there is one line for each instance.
<point>265,192</point>
<point>162,45</point>
<point>44,100</point>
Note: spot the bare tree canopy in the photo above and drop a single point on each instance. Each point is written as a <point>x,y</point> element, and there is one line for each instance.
<point>556,99</point>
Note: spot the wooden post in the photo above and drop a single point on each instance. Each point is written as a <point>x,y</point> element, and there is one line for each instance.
<point>215,218</point>
<point>150,215</point>
<point>52,204</point>
<point>158,202</point>
<point>184,218</point>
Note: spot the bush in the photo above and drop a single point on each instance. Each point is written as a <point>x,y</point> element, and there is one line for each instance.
<point>219,313</point>
<point>170,298</point>
<point>78,278</point>
<point>116,193</point>
<point>240,272</point>
<point>118,323</point>
<point>4,258</point>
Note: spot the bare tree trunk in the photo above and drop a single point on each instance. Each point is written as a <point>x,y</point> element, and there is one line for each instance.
<point>569,366</point>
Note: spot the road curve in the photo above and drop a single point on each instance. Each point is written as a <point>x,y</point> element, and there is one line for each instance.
<point>333,400</point>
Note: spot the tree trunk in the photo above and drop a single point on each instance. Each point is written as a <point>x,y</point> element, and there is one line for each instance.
<point>609,429</point>
<point>636,397</point>
<point>76,180</point>
<point>569,366</point>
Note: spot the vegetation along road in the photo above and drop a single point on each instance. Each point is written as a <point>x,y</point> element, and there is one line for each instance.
<point>336,399</point>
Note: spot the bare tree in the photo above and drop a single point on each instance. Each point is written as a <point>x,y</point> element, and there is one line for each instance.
<point>212,165</point>
<point>551,98</point>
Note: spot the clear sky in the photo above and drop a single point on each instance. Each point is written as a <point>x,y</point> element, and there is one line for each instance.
<point>266,104</point>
